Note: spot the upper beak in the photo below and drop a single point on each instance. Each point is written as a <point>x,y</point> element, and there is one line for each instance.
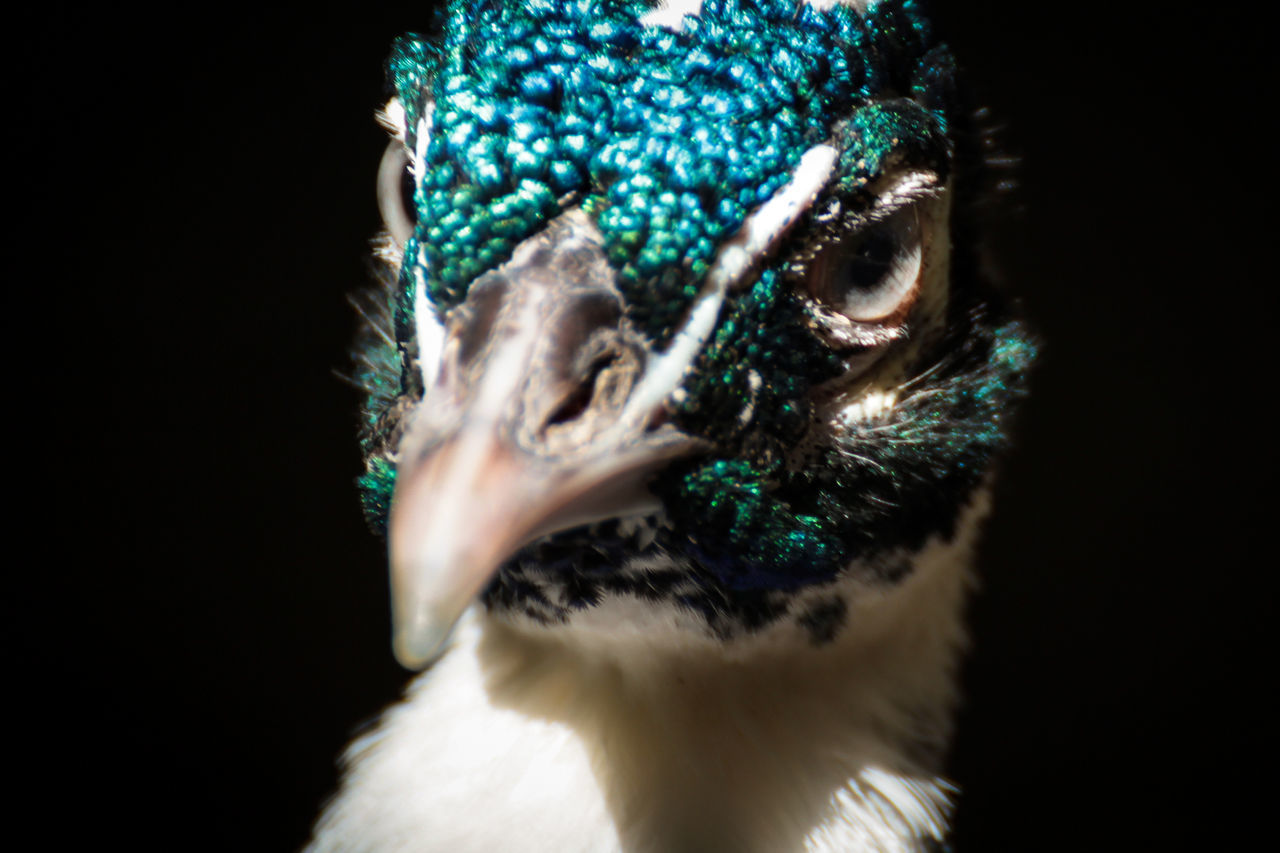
<point>535,422</point>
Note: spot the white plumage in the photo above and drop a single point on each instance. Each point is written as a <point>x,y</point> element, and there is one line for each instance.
<point>600,739</point>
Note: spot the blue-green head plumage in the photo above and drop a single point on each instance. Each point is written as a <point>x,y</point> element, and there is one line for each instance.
<point>671,137</point>
<point>667,141</point>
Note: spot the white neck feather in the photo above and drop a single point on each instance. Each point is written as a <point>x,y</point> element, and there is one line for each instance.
<point>551,741</point>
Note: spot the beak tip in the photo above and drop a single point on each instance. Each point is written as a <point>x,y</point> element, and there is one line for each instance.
<point>417,649</point>
<point>418,644</point>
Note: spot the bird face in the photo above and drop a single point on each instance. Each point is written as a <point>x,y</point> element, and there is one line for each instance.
<point>674,317</point>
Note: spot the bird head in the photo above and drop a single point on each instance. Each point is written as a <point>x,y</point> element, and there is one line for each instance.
<point>674,316</point>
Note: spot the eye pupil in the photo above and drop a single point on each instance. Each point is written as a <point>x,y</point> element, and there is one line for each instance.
<point>866,266</point>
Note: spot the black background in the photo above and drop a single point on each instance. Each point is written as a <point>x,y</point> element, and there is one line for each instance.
<point>198,616</point>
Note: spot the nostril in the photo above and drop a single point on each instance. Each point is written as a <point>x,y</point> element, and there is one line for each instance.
<point>582,400</point>
<point>579,399</point>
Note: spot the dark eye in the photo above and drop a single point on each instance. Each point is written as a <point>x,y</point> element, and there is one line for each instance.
<point>395,192</point>
<point>872,276</point>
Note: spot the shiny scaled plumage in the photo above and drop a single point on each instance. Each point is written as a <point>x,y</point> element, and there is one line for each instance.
<point>682,395</point>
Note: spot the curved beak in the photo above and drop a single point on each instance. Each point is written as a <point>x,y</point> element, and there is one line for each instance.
<point>542,417</point>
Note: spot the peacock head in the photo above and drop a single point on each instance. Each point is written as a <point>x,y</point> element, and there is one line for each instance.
<point>674,314</point>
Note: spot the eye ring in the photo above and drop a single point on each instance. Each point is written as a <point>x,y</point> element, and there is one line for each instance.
<point>395,192</point>
<point>872,276</point>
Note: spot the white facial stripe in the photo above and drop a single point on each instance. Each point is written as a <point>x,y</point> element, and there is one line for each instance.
<point>391,117</point>
<point>420,143</point>
<point>671,14</point>
<point>764,228</point>
<point>758,235</point>
<point>664,376</point>
<point>430,329</point>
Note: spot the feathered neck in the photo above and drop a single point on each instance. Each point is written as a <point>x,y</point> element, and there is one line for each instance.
<point>585,739</point>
